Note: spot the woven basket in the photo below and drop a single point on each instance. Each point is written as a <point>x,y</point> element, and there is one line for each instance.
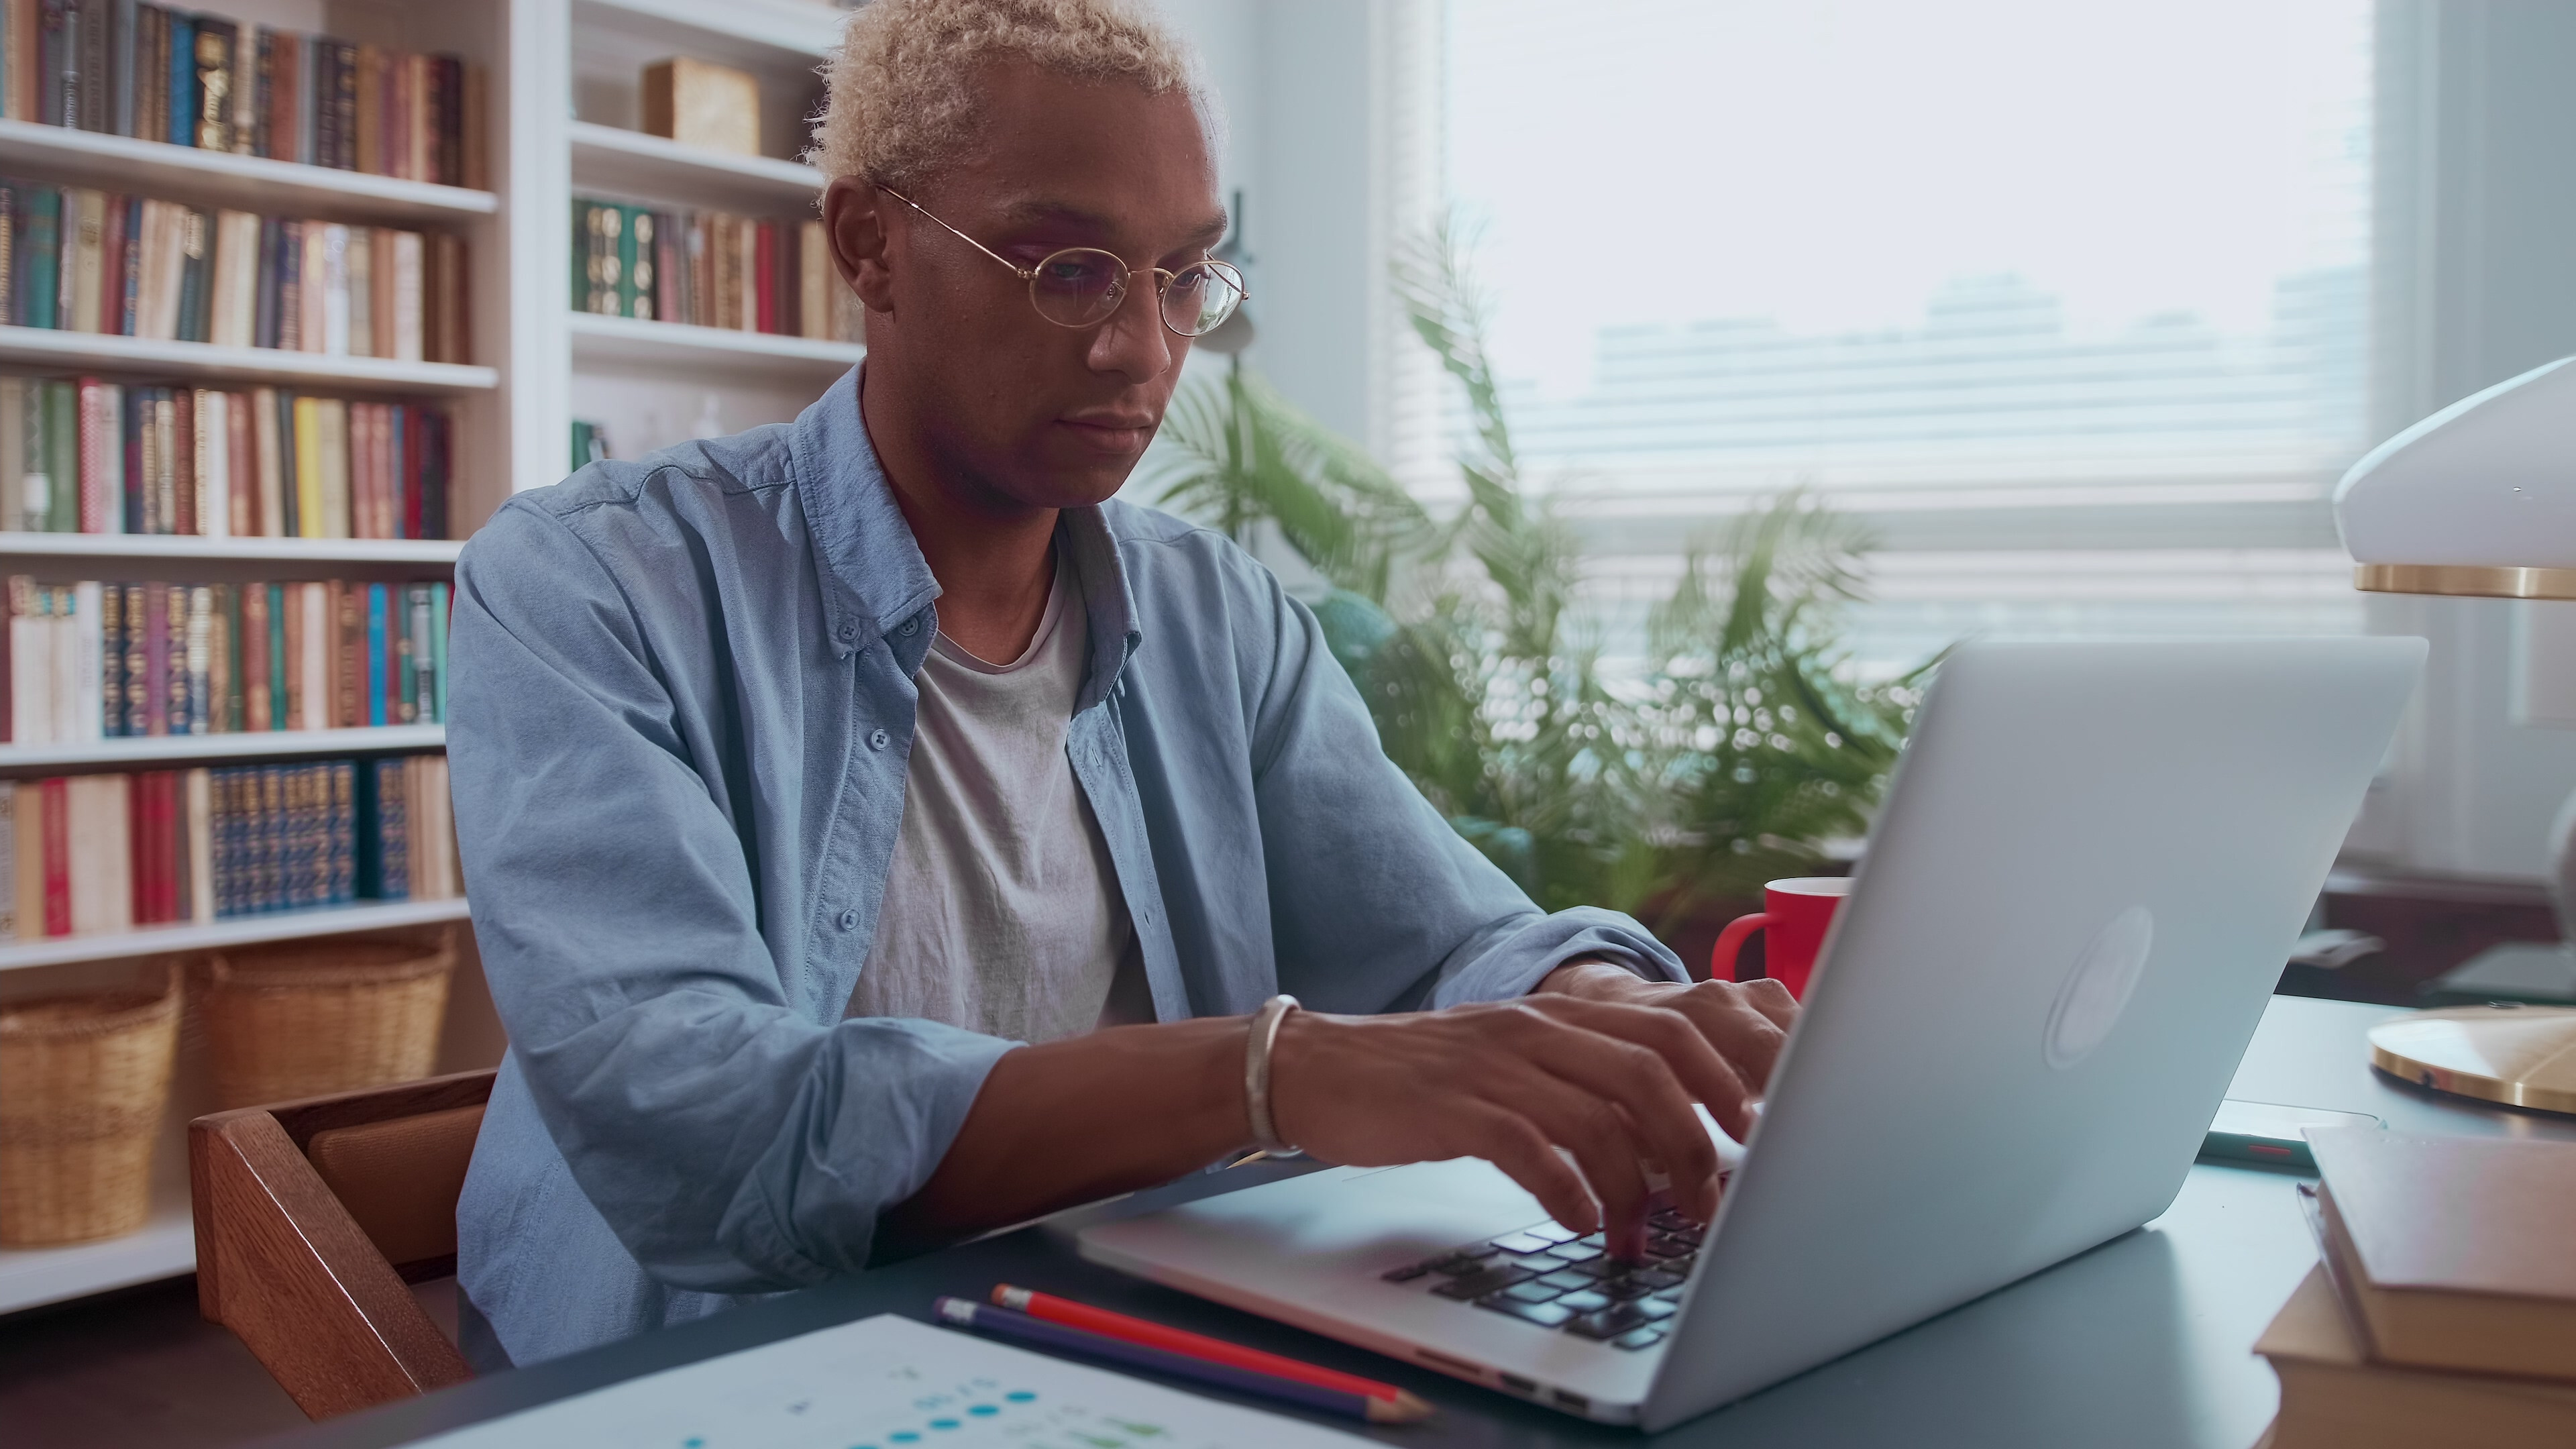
<point>84,1080</point>
<point>310,1017</point>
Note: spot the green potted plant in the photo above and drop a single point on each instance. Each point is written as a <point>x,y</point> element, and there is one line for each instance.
<point>1732,754</point>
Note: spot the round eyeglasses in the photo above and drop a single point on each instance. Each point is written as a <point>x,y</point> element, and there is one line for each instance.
<point>1084,286</point>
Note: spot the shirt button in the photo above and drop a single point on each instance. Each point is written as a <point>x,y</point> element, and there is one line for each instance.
<point>849,920</point>
<point>911,627</point>
<point>847,632</point>
<point>879,739</point>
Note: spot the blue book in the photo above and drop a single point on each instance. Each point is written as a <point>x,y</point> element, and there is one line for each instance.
<point>375,654</point>
<point>438,651</point>
<point>183,80</point>
<point>341,886</point>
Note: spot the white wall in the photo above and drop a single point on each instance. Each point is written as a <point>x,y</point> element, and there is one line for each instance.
<point>2477,205</point>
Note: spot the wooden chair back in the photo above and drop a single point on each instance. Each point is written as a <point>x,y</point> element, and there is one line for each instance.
<point>312,1216</point>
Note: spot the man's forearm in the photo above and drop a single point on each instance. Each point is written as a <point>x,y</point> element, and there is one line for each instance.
<point>1080,1119</point>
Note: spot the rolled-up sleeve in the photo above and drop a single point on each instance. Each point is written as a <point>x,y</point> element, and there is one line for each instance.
<point>1369,885</point>
<point>733,1143</point>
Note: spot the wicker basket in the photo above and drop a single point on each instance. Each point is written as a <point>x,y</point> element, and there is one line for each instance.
<point>309,1017</point>
<point>84,1080</point>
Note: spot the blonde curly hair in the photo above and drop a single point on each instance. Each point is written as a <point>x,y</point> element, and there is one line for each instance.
<point>900,89</point>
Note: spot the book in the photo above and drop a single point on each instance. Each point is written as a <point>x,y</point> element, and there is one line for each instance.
<point>8,860</point>
<point>2453,1253</point>
<point>2334,1397</point>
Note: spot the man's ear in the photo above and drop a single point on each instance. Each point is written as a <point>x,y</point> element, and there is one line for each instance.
<point>854,218</point>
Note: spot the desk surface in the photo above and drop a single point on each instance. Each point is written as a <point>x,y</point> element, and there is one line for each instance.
<point>2144,1341</point>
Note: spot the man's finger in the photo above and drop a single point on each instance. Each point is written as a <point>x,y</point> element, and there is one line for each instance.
<point>1635,1077</point>
<point>1521,1150</point>
<point>1590,1128</point>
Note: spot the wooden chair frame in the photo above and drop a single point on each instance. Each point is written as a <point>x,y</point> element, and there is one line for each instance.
<point>283,1265</point>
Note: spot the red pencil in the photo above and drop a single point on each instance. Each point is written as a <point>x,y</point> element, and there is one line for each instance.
<point>1215,1350</point>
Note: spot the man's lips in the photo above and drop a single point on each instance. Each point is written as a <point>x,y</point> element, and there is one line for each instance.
<point>1117,432</point>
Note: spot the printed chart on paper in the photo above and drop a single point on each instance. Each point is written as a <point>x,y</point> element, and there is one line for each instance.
<point>890,1383</point>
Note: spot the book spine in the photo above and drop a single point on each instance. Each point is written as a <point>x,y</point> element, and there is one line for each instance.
<point>256,713</point>
<point>182,457</point>
<point>281,659</point>
<point>89,668</point>
<point>376,654</point>
<point>424,684</point>
<point>8,850</point>
<point>181,78</point>
<point>139,685</point>
<point>111,662</point>
<point>440,600</point>
<point>342,778</point>
<point>214,80</point>
<point>349,639</point>
<point>229,657</point>
<point>55,803</point>
<point>195,789</point>
<point>62,457</point>
<point>180,692</point>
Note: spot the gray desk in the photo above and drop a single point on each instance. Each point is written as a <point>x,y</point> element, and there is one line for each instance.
<point>2144,1341</point>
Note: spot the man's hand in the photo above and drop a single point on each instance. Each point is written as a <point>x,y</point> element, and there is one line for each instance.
<point>1583,1066</point>
<point>1746,1022</point>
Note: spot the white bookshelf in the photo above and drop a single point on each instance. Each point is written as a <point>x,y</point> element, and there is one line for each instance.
<point>163,751</point>
<point>219,935</point>
<point>620,343</point>
<point>165,1248</point>
<point>220,178</point>
<point>43,348</point>
<point>179,550</point>
<point>564,119</point>
<point>615,162</point>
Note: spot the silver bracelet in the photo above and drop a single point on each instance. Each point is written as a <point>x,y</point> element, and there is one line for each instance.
<point>1256,1074</point>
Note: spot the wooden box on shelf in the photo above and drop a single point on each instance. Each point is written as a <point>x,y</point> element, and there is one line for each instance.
<point>696,103</point>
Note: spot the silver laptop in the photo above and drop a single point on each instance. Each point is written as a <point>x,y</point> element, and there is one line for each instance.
<point>2086,877</point>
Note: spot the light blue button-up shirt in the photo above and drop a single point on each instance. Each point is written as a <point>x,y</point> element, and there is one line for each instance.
<point>682,701</point>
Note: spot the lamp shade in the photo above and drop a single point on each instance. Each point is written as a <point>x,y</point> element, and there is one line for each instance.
<point>2478,499</point>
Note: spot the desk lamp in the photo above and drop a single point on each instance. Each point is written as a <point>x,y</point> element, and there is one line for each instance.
<point>2479,501</point>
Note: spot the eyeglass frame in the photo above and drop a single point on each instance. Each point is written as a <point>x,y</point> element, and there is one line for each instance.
<point>1163,277</point>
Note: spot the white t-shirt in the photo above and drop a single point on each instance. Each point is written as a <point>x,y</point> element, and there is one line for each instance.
<point>1002,912</point>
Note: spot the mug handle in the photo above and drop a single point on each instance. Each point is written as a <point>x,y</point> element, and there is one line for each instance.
<point>1721,961</point>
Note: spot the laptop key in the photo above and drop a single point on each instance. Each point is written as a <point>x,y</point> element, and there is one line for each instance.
<point>1606,1323</point>
<point>1655,1278</point>
<point>1642,1338</point>
<point>1574,1252</point>
<point>1545,1315</point>
<point>1584,1300</point>
<point>1553,1232</point>
<point>1628,1287</point>
<point>1539,1262</point>
<point>1523,1243</point>
<point>1534,1291</point>
<point>1477,1284</point>
<point>1654,1308</point>
<point>1405,1274</point>
<point>1568,1278</point>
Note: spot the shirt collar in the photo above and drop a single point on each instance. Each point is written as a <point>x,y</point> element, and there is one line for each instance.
<point>872,572</point>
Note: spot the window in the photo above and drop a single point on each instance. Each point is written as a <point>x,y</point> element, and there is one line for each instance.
<point>2071,304</point>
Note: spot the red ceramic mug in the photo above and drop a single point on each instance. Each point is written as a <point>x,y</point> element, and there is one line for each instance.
<point>1796,912</point>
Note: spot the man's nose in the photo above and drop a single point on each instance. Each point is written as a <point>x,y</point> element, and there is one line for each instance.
<point>1134,343</point>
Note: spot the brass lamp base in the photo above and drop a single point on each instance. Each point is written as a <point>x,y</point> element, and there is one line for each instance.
<point>2524,1056</point>
<point>2475,581</point>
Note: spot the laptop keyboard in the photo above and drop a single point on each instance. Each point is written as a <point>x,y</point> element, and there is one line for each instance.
<point>1556,1278</point>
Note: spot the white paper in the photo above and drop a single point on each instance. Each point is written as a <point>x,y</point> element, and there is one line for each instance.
<point>891,1383</point>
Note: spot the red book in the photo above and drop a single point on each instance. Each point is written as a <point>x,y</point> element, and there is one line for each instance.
<point>167,842</point>
<point>412,440</point>
<point>764,275</point>
<point>111,270</point>
<point>54,820</point>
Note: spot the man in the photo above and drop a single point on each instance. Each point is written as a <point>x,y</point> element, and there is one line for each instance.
<point>800,772</point>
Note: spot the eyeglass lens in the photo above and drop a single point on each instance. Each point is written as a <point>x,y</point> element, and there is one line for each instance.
<point>1080,287</point>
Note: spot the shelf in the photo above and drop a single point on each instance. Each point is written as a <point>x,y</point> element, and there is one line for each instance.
<point>239,931</point>
<point>629,342</point>
<point>630,163</point>
<point>179,548</point>
<point>155,751</point>
<point>765,33</point>
<point>220,178</point>
<point>47,348</point>
<point>165,1247</point>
